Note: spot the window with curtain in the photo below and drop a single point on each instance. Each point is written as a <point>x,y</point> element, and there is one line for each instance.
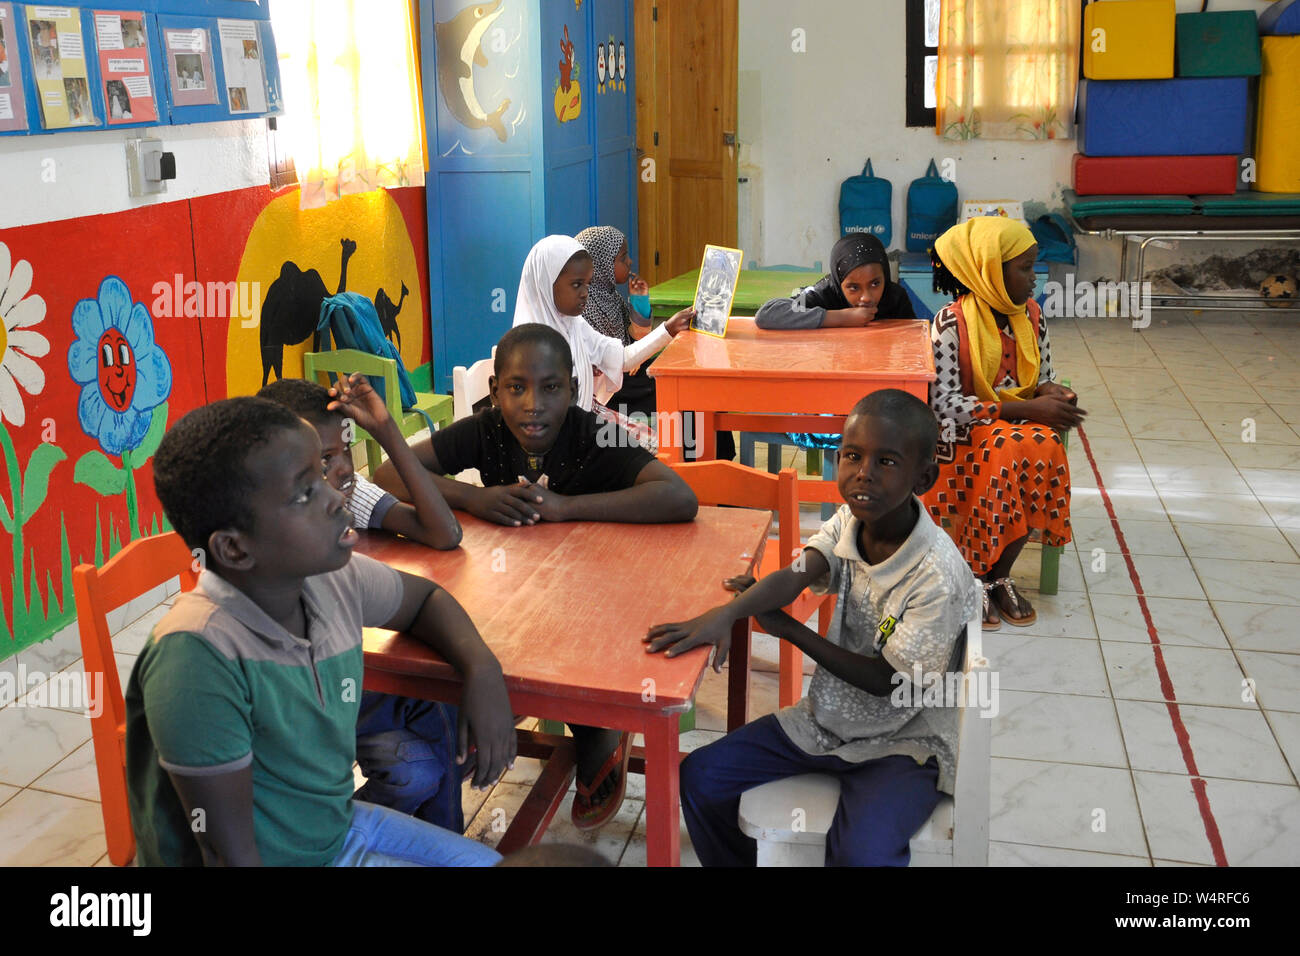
<point>1007,70</point>
<point>351,80</point>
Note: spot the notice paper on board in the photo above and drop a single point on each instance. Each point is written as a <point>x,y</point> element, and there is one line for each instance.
<point>13,110</point>
<point>716,289</point>
<point>123,49</point>
<point>59,65</point>
<point>241,55</point>
<point>189,66</point>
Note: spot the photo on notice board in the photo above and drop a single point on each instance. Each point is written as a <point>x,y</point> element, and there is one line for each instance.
<point>4,58</point>
<point>77,94</point>
<point>189,66</point>
<point>45,49</point>
<point>132,33</point>
<point>719,273</point>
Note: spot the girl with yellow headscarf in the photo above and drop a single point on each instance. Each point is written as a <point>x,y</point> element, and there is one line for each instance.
<point>1003,469</point>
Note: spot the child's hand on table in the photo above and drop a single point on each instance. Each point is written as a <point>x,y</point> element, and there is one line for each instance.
<point>680,321</point>
<point>514,505</point>
<point>711,627</point>
<point>550,506</point>
<point>637,286</point>
<point>354,397</point>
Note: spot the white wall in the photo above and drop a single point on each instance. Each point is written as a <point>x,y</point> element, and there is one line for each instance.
<point>89,169</point>
<point>807,121</point>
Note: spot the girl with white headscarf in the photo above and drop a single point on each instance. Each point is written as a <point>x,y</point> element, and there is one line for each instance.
<point>544,299</point>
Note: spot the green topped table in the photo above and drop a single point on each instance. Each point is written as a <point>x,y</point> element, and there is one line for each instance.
<point>756,286</point>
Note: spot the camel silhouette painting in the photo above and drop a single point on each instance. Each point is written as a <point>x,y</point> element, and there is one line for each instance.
<point>291,310</point>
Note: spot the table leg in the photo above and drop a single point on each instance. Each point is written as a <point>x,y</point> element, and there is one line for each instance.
<point>669,428</point>
<point>706,438</point>
<point>662,798</point>
<point>738,675</point>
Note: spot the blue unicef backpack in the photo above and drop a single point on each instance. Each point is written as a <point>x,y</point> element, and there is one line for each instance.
<point>865,204</point>
<point>351,321</point>
<point>931,209</point>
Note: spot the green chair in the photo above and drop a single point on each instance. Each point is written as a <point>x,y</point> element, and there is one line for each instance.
<point>816,267</point>
<point>317,367</point>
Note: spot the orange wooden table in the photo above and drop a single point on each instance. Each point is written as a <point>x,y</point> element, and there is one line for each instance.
<point>758,380</point>
<point>564,608</point>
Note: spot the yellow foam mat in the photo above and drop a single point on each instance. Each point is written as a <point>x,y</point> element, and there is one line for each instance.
<point>1277,124</point>
<point>1128,40</point>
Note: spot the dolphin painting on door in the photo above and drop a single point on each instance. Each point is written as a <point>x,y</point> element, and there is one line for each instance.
<point>459,50</point>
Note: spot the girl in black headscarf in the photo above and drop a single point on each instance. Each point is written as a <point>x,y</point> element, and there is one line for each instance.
<point>857,291</point>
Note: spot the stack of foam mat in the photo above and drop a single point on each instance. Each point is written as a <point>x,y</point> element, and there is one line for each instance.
<point>1165,99</point>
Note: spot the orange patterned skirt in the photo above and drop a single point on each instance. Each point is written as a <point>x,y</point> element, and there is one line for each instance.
<point>1006,479</point>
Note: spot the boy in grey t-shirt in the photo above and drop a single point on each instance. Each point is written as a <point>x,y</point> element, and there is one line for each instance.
<point>905,595</point>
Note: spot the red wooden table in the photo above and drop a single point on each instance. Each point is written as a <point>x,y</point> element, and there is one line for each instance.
<point>564,608</point>
<point>759,380</point>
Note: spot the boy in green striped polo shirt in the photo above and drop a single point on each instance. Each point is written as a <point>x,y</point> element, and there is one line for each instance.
<point>242,708</point>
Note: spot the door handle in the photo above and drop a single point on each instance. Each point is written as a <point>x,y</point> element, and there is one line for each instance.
<point>728,138</point>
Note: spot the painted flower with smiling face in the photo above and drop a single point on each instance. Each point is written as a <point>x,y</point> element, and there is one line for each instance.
<point>122,372</point>
<point>18,343</point>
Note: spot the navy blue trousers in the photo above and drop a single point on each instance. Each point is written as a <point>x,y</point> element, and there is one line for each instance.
<point>882,802</point>
<point>407,750</point>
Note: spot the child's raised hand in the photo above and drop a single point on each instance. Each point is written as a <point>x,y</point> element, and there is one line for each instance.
<point>637,286</point>
<point>680,321</point>
<point>354,397</point>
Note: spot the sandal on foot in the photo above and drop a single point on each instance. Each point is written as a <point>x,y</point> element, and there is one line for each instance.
<point>990,610</point>
<point>1018,604</point>
<point>587,815</point>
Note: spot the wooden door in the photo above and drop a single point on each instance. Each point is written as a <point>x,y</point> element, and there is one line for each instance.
<point>686,74</point>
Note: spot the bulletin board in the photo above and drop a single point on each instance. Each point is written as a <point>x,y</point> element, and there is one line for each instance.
<point>76,66</point>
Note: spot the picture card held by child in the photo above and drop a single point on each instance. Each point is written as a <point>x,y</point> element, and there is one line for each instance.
<point>59,65</point>
<point>189,66</point>
<point>241,57</point>
<point>13,107</point>
<point>719,274</point>
<point>123,46</point>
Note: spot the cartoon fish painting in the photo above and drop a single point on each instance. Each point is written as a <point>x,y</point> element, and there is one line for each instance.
<point>459,50</point>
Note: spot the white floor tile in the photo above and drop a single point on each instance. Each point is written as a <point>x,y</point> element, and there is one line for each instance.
<point>32,740</point>
<point>1259,627</point>
<point>73,776</point>
<point>1183,507</point>
<point>1199,675</point>
<point>1019,854</point>
<point>1070,806</point>
<point>1224,742</point>
<point>47,829</point>
<point>1237,542</point>
<point>1276,677</point>
<point>1260,582</point>
<point>1189,623</point>
<point>1286,728</point>
<point>1063,727</point>
<point>1026,662</point>
<point>1259,823</point>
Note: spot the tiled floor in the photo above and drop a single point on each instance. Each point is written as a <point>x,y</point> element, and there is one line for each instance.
<point>1194,424</point>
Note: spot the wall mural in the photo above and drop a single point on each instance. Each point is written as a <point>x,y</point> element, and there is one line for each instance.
<point>459,50</point>
<point>568,91</point>
<point>100,352</point>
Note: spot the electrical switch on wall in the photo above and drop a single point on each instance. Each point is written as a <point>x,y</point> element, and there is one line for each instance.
<point>148,167</point>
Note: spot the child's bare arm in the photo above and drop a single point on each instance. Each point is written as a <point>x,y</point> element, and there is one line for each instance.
<point>659,496</point>
<point>428,518</point>
<point>714,627</point>
<point>224,804</point>
<point>872,674</point>
<point>486,720</point>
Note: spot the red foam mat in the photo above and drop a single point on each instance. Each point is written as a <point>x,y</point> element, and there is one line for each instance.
<point>1154,175</point>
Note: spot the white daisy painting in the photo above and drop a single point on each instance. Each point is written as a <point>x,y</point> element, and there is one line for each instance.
<point>19,345</point>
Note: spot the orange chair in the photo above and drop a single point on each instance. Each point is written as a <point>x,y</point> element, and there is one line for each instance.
<point>726,483</point>
<point>137,569</point>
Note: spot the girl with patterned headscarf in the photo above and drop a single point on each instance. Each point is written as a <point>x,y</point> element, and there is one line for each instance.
<point>1002,465</point>
<point>610,314</point>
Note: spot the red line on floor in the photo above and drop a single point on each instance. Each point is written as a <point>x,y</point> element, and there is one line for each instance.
<point>1166,685</point>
